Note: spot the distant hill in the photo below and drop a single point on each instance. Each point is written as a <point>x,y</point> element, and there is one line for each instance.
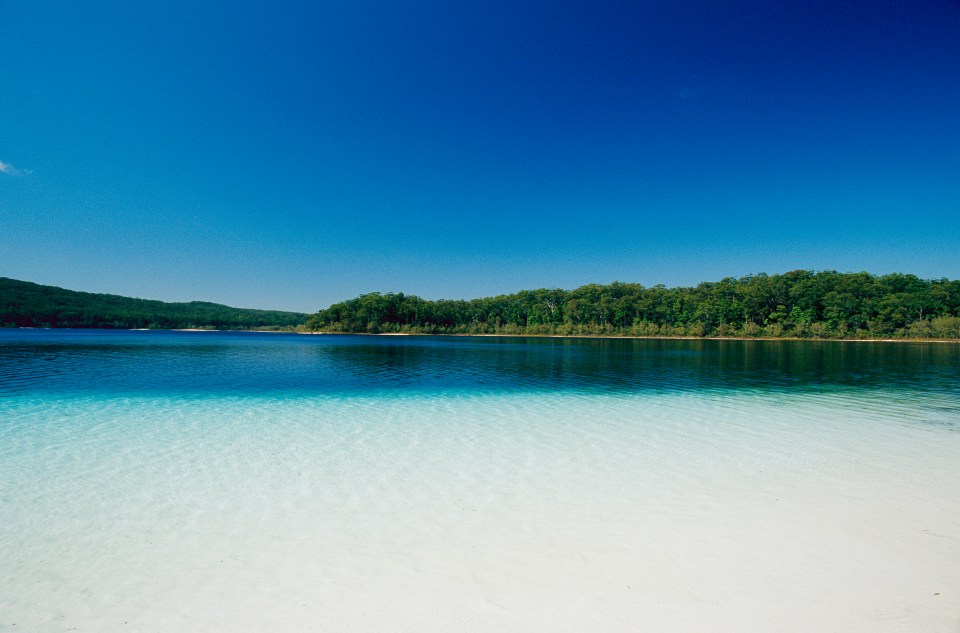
<point>26,304</point>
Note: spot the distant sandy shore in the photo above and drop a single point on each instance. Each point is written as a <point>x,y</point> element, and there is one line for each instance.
<point>658,338</point>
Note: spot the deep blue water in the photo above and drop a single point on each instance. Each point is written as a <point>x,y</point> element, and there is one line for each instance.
<point>223,363</point>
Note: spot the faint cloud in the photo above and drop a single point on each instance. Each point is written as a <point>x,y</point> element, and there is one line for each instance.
<point>7,168</point>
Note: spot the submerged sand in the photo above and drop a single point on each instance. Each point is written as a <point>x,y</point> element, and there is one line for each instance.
<point>677,512</point>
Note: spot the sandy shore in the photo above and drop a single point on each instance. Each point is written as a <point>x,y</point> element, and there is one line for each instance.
<point>656,338</point>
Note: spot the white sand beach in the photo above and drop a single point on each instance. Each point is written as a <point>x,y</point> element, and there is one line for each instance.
<point>525,513</point>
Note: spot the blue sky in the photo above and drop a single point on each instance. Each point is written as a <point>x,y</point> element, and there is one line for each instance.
<point>290,155</point>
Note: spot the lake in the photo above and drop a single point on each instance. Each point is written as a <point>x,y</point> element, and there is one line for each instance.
<point>198,481</point>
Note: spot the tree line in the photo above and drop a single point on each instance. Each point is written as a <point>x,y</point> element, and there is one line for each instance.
<point>797,304</point>
<point>26,304</point>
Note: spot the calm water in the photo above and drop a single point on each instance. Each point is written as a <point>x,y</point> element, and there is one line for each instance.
<point>238,481</point>
<point>78,362</point>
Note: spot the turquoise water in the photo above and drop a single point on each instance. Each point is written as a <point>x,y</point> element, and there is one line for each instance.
<point>178,481</point>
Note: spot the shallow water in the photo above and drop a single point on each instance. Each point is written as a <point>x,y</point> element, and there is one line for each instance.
<point>164,481</point>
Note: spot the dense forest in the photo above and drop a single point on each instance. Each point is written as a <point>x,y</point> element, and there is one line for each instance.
<point>25,304</point>
<point>798,304</point>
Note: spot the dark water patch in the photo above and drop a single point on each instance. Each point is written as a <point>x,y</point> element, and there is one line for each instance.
<point>264,363</point>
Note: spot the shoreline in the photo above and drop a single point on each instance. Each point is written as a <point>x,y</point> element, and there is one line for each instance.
<point>564,336</point>
<point>652,338</point>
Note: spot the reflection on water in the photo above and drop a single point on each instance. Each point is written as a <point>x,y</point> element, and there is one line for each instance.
<point>248,363</point>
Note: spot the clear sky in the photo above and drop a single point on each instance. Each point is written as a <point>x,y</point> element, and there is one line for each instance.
<point>289,155</point>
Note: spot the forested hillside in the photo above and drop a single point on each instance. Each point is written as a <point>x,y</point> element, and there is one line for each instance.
<point>801,304</point>
<point>25,304</point>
